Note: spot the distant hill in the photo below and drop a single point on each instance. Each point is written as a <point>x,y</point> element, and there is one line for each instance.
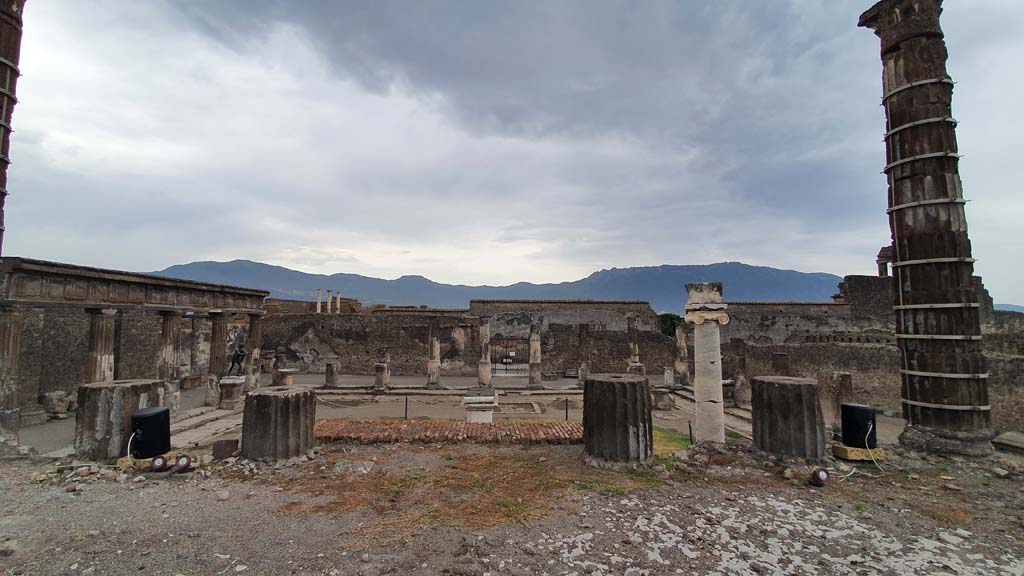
<point>1010,307</point>
<point>662,286</point>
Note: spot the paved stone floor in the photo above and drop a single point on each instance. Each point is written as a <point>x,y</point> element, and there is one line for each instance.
<point>389,431</point>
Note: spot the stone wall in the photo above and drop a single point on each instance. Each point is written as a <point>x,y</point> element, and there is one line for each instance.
<point>311,340</point>
<point>55,349</point>
<point>353,340</point>
<point>856,334</point>
<point>604,315</point>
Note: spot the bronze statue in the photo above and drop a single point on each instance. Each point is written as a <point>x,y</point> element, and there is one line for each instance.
<point>238,359</point>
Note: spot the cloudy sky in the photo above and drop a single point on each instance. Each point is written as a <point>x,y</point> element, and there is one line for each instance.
<point>488,142</point>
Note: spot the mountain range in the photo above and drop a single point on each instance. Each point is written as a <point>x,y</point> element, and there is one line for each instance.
<point>662,286</point>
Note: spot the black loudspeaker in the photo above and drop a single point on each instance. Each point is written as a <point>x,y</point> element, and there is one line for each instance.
<point>859,428</point>
<point>152,429</point>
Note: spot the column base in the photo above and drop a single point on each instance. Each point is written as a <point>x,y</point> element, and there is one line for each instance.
<point>976,444</point>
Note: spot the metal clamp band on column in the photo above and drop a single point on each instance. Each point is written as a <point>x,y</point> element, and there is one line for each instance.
<point>949,119</point>
<point>955,260</point>
<point>10,65</point>
<point>945,375</point>
<point>9,94</point>
<point>926,203</point>
<point>936,337</point>
<point>935,306</point>
<point>961,408</point>
<point>892,165</point>
<point>946,80</point>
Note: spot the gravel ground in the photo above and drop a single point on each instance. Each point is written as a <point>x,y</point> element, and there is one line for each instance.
<point>470,509</point>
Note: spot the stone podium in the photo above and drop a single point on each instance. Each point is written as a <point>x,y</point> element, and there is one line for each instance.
<point>617,425</point>
<point>278,423</point>
<point>231,388</point>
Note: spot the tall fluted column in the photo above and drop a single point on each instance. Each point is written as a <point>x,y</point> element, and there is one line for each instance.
<point>10,56</point>
<point>330,302</point>
<point>945,387</point>
<point>170,334</point>
<point>319,305</point>
<point>705,309</point>
<point>11,324</point>
<point>218,344</point>
<point>101,345</point>
<point>218,357</point>
<point>255,338</point>
<point>485,353</point>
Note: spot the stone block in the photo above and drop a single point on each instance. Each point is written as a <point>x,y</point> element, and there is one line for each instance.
<point>278,423</point>
<point>103,420</point>
<point>787,418</point>
<point>283,376</point>
<point>56,404</point>
<point>617,424</point>
<point>663,399</point>
<point>225,448</point>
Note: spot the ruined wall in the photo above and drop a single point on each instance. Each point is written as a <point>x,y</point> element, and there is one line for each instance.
<point>856,334</point>
<point>605,315</point>
<point>137,344</point>
<point>54,352</point>
<point>794,322</point>
<point>311,340</point>
<point>564,346</point>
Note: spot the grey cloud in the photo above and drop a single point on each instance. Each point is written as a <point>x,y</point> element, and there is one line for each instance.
<point>438,138</point>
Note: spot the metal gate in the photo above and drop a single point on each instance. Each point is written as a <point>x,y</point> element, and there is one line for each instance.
<point>510,356</point>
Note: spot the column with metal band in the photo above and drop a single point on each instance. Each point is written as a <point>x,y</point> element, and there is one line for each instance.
<point>10,55</point>
<point>938,328</point>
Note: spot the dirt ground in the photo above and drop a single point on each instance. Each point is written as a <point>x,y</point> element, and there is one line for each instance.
<point>484,509</point>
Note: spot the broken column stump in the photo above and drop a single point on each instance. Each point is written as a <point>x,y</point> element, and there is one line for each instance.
<point>617,425</point>
<point>787,417</point>
<point>103,422</point>
<point>278,423</point>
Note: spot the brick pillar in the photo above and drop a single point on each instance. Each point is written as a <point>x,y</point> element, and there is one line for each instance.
<point>11,324</point>
<point>535,358</point>
<point>945,387</point>
<point>101,345</point>
<point>255,338</point>
<point>484,368</point>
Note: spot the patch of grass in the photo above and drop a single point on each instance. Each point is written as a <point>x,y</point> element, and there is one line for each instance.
<point>603,487</point>
<point>730,435</point>
<point>668,442</point>
<point>950,516</point>
<point>471,490</point>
